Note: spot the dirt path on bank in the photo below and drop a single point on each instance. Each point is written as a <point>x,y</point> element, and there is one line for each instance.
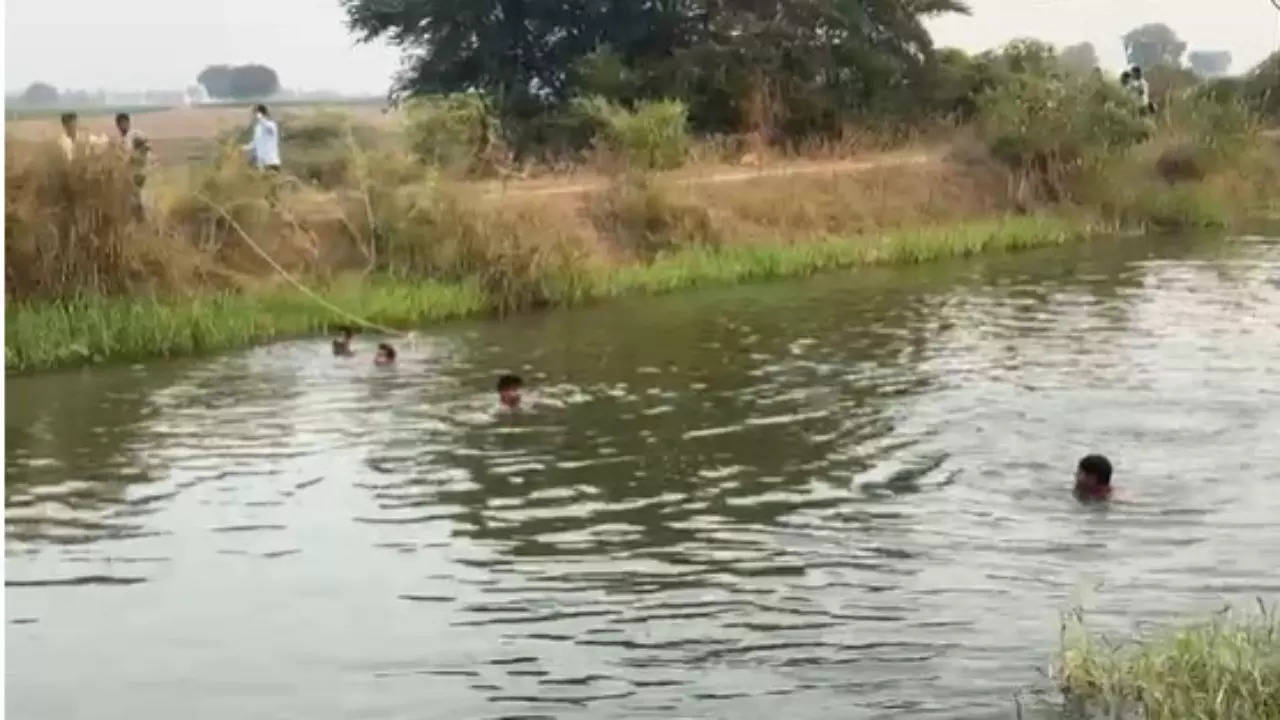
<point>706,175</point>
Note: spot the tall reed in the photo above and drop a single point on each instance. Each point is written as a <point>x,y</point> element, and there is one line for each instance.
<point>1223,668</point>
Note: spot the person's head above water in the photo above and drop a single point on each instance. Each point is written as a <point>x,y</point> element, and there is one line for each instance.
<point>1135,72</point>
<point>69,122</point>
<point>342,341</point>
<point>1093,477</point>
<point>386,355</point>
<point>123,123</point>
<point>509,390</point>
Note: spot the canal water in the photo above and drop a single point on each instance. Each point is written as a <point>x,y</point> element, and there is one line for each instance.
<point>842,497</point>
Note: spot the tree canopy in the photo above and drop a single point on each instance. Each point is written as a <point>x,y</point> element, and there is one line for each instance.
<point>805,59</point>
<point>1153,45</point>
<point>239,82</point>
<point>1210,63</point>
<point>38,93</point>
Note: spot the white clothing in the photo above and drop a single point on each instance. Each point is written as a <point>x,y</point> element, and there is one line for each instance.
<point>90,142</point>
<point>265,146</point>
<point>1140,89</point>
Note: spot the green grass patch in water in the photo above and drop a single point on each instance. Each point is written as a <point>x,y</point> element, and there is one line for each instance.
<point>1224,668</point>
<point>44,335</point>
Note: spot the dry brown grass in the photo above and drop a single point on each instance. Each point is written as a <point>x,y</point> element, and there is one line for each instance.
<point>391,216</point>
<point>874,199</point>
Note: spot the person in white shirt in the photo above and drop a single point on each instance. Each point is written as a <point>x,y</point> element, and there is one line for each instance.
<point>264,148</point>
<point>1141,90</point>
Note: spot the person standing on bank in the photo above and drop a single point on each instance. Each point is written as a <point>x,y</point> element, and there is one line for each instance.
<point>264,148</point>
<point>137,151</point>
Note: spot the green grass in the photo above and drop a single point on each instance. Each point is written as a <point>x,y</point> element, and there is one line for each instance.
<point>1224,668</point>
<point>697,266</point>
<point>97,329</point>
<point>45,335</point>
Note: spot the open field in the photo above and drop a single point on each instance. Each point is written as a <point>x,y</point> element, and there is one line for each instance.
<point>181,134</point>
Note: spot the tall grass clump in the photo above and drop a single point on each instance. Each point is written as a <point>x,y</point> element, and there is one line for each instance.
<point>321,147</point>
<point>71,226</point>
<point>1224,668</point>
<point>458,133</point>
<point>644,219</point>
<point>653,136</point>
<point>520,255</point>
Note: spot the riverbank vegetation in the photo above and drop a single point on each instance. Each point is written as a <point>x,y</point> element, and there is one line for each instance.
<point>624,181</point>
<point>1224,668</point>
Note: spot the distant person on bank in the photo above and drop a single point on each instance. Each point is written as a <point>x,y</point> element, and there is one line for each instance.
<point>1133,81</point>
<point>136,150</point>
<point>72,141</point>
<point>264,148</point>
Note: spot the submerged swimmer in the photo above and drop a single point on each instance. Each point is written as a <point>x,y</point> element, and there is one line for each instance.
<point>509,387</point>
<point>1093,478</point>
<point>342,343</point>
<point>386,355</point>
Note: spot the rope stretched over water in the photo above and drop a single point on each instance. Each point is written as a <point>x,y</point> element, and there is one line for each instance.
<point>293,280</point>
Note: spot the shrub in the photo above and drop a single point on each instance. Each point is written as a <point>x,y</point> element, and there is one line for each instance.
<point>1048,129</point>
<point>456,133</point>
<point>654,136</point>
<point>1262,87</point>
<point>318,147</point>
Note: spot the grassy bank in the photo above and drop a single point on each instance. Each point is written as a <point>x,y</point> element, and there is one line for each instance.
<point>48,334</point>
<point>428,215</point>
<point>1225,668</point>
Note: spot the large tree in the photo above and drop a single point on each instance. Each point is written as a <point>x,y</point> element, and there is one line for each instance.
<point>1210,63</point>
<point>1153,45</point>
<point>38,93</point>
<point>239,82</point>
<point>712,53</point>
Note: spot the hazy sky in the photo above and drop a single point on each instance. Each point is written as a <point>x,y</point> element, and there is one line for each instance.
<point>1248,28</point>
<point>140,44</point>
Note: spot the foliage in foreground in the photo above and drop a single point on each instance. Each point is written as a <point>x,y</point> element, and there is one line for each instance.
<point>1225,668</point>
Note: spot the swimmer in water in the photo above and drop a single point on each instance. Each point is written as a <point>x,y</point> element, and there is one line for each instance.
<point>1093,478</point>
<point>509,391</point>
<point>386,355</point>
<point>342,343</point>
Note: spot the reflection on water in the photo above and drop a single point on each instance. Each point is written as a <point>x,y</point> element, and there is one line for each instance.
<point>846,497</point>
